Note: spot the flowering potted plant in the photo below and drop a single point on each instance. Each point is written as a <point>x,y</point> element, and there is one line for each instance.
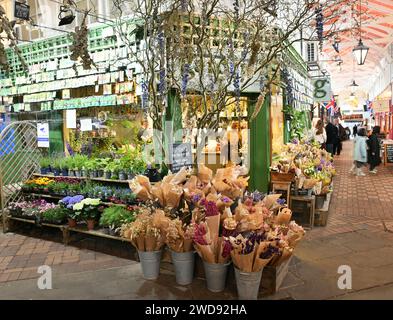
<point>90,211</point>
<point>72,215</point>
<point>45,163</point>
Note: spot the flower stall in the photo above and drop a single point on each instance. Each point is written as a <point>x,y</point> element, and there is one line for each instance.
<point>311,171</point>
<point>204,223</point>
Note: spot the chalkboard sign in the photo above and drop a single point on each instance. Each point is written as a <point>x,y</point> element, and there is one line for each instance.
<point>388,153</point>
<point>22,11</point>
<point>181,156</point>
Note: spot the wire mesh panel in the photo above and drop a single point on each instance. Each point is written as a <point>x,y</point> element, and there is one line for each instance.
<point>19,159</point>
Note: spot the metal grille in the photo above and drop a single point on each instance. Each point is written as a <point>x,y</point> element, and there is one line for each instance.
<point>19,159</point>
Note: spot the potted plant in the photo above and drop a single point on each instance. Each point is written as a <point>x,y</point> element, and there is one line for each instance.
<point>89,167</point>
<point>101,164</point>
<point>56,167</point>
<point>114,217</point>
<point>72,215</point>
<point>45,165</point>
<point>110,169</point>
<point>55,216</point>
<point>90,211</point>
<point>80,161</point>
<point>71,166</point>
<point>64,167</point>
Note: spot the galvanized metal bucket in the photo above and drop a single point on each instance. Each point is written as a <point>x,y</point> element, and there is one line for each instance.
<point>248,284</point>
<point>216,275</point>
<point>150,263</point>
<point>183,263</point>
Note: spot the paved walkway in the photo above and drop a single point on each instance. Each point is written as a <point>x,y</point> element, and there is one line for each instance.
<point>355,236</point>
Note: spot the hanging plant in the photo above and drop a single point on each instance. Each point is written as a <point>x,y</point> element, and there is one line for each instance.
<point>79,48</point>
<point>7,28</point>
<point>319,26</point>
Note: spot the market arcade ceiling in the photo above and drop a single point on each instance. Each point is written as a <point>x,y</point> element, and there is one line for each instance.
<point>376,32</point>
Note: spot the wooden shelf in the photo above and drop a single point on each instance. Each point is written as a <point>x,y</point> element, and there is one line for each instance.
<point>82,178</point>
<point>21,219</point>
<point>43,195</point>
<point>97,234</point>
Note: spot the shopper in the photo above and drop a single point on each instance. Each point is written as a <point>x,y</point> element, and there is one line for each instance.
<point>332,137</point>
<point>342,137</point>
<point>355,130</point>
<point>360,152</point>
<point>374,150</point>
<point>319,134</point>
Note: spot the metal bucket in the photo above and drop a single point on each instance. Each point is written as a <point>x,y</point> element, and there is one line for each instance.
<point>248,284</point>
<point>183,263</point>
<point>150,263</point>
<point>216,274</point>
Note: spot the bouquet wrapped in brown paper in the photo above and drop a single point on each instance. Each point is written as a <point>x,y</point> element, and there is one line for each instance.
<point>141,191</point>
<point>205,174</point>
<point>284,216</point>
<point>248,252</point>
<point>294,234</point>
<point>143,234</point>
<point>172,194</point>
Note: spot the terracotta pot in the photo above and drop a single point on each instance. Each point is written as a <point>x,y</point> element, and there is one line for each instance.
<point>90,224</point>
<point>72,223</point>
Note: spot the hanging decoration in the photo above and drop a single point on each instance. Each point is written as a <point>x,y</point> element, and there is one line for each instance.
<point>6,27</point>
<point>79,47</point>
<point>286,78</point>
<point>319,26</point>
<point>184,80</point>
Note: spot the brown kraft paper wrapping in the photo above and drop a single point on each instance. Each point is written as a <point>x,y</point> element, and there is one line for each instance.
<point>140,242</point>
<point>213,224</point>
<point>205,253</point>
<point>187,245</point>
<point>150,243</point>
<point>244,262</point>
<point>259,263</point>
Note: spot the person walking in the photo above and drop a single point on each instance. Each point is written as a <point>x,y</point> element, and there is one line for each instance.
<point>319,134</point>
<point>374,150</point>
<point>332,137</point>
<point>360,153</point>
<point>355,131</point>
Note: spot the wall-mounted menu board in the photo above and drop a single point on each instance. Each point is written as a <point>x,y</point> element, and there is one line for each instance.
<point>388,154</point>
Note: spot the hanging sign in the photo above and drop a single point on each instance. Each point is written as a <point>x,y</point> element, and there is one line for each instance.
<point>43,135</point>
<point>322,90</point>
<point>71,119</point>
<point>381,105</point>
<point>86,124</point>
<point>181,156</point>
<point>21,11</point>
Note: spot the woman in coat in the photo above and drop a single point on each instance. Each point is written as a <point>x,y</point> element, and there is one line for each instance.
<point>374,150</point>
<point>360,152</point>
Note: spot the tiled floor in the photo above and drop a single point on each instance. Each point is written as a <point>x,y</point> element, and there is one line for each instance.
<point>355,235</point>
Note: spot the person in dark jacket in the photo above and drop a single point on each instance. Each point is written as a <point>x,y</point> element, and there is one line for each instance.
<point>374,151</point>
<point>333,138</point>
<point>342,135</point>
<point>355,130</point>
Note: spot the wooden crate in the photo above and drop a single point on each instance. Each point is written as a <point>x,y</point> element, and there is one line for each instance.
<point>321,215</point>
<point>303,210</point>
<point>280,177</point>
<point>272,278</point>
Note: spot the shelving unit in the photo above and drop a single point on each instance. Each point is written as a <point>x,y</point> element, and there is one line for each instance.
<point>82,178</point>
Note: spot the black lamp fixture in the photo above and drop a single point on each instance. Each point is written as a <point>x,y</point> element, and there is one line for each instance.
<point>66,15</point>
<point>360,51</point>
<point>354,84</point>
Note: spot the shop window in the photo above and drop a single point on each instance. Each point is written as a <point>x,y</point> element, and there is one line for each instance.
<point>311,52</point>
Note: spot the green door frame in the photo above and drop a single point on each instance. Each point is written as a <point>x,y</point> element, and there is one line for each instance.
<point>260,147</point>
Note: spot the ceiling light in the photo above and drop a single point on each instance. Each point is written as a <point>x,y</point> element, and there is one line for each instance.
<point>354,84</point>
<point>360,52</point>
